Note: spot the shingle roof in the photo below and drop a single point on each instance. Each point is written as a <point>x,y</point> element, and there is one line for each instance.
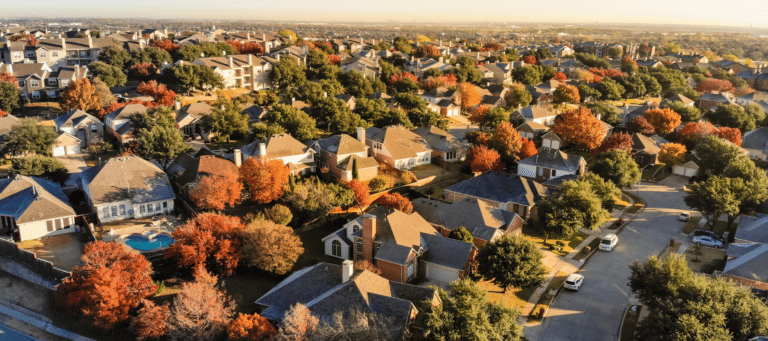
<point>553,159</point>
<point>753,229</point>
<point>447,252</point>
<point>644,143</point>
<point>127,178</point>
<point>197,109</point>
<point>29,199</point>
<point>439,139</point>
<point>678,98</point>
<point>278,145</point>
<point>126,112</point>
<point>394,253</point>
<point>342,144</point>
<point>481,219</point>
<point>362,163</point>
<point>399,141</point>
<point>186,169</point>
<point>6,123</point>
<point>502,188</point>
<point>756,139</point>
<point>537,111</point>
<point>73,118</point>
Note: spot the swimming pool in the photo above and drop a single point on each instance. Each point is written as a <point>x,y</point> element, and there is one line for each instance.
<point>147,242</point>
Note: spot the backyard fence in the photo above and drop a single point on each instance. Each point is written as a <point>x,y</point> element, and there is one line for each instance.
<point>42,267</point>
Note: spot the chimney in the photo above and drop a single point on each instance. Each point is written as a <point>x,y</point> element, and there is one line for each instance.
<point>325,94</point>
<point>262,149</point>
<point>477,56</point>
<point>230,60</point>
<point>248,36</point>
<point>369,235</point>
<point>347,269</point>
<point>202,55</point>
<point>264,38</point>
<point>90,42</point>
<point>223,53</point>
<point>238,157</point>
<point>598,116</point>
<point>293,99</point>
<point>361,134</point>
<point>278,57</point>
<point>63,43</point>
<point>250,59</point>
<point>177,105</point>
<point>488,53</point>
<point>373,41</point>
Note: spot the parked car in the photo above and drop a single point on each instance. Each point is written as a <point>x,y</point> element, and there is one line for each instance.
<point>708,233</point>
<point>684,216</point>
<point>573,282</point>
<point>609,242</point>
<point>707,241</point>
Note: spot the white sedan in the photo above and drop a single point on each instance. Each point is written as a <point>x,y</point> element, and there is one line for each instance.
<point>609,242</point>
<point>573,282</point>
<point>707,241</point>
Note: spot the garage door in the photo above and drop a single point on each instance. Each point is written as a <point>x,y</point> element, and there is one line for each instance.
<point>679,170</point>
<point>690,172</point>
<point>75,149</point>
<point>441,274</point>
<point>59,151</point>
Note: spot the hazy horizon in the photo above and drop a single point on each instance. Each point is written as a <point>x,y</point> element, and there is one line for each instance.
<point>686,12</point>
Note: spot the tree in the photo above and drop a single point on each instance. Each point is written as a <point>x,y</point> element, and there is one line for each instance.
<point>663,120</point>
<point>142,71</point>
<point>227,118</point>
<point>716,154</point>
<point>165,44</point>
<point>150,321</point>
<point>529,59</point>
<point>287,73</point>
<point>507,141</point>
<point>559,76</point>
<point>640,125</point>
<point>481,159</point>
<point>270,246</point>
<point>527,149</point>
<point>103,93</point>
<point>313,199</point>
<point>628,65</point>
<point>29,137</point>
<point>185,77</point>
<point>566,94</point>
<point>610,89</point>
<point>418,113</point>
<point>357,324</point>
<point>115,56</point>
<point>361,192</point>
<point>605,190</point>
<point>575,206</point>
<point>688,306</point>
<point>617,141</point>
<point>41,166</point>
<point>200,311</point>
<point>618,167</point>
<point>396,201</point>
<point>734,116</point>
<point>687,113</point>
<point>110,283</point>
<point>466,71</point>
<point>427,51</point>
<point>294,121</point>
<point>250,328</point>
<point>495,117</point>
<point>158,91</point>
<point>713,84</point>
<point>517,96</point>
<point>672,154</point>
<point>298,324</point>
<point>469,95</point>
<point>80,94</point>
<point>527,75</point>
<point>749,185</point>
<point>467,314</point>
<point>150,55</point>
<point>403,45</point>
<point>592,60</point>
<point>586,92</point>
<point>216,192</point>
<point>10,94</point>
<point>157,137</point>
<point>730,134</point>
<point>110,75</point>
<point>461,233</point>
<point>265,179</point>
<point>511,261</point>
<point>607,112</point>
<point>367,266</point>
<point>210,241</point>
<point>580,127</point>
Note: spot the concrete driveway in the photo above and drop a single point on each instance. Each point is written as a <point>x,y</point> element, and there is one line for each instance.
<point>594,313</point>
<point>74,162</point>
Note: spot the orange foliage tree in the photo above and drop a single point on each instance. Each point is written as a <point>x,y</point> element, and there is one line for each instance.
<point>7,77</point>
<point>250,328</point>
<point>210,240</point>
<point>527,149</point>
<point>640,125</point>
<point>482,158</point>
<point>215,192</point>
<point>672,153</point>
<point>427,51</point>
<point>200,311</point>
<point>530,59</point>
<point>111,282</point>
<point>566,94</point>
<point>149,323</point>
<point>606,72</point>
<point>441,81</point>
<point>663,120</point>
<point>559,76</point>
<point>730,134</point>
<point>333,59</point>
<point>158,91</point>
<point>362,192</point>
<point>80,94</point>
<point>469,95</point>
<point>478,114</point>
<point>492,47</point>
<point>693,131</point>
<point>580,127</point>
<point>266,180</point>
<point>506,140</point>
<point>622,141</point>
<point>142,70</point>
<point>165,44</point>
<point>396,77</point>
<point>248,47</point>
<point>396,201</point>
<point>714,84</point>
<point>298,324</point>
<point>270,246</point>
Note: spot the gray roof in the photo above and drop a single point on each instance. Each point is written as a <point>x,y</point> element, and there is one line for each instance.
<point>126,112</point>
<point>537,111</point>
<point>753,229</point>
<point>28,199</point>
<point>439,139</point>
<point>342,144</point>
<point>127,178</point>
<point>73,118</point>
<point>756,139</point>
<point>554,159</point>
<point>481,219</point>
<point>393,253</point>
<point>501,187</point>
<point>556,182</point>
<point>446,251</point>
<point>7,122</point>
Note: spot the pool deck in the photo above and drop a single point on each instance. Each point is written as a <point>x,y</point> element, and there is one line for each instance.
<point>137,229</point>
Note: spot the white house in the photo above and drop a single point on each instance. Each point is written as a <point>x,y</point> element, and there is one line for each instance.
<point>81,125</point>
<point>34,208</point>
<point>299,157</point>
<point>398,147</point>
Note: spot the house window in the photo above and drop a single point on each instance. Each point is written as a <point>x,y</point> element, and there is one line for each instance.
<point>51,81</point>
<point>336,248</point>
<point>36,95</point>
<point>142,209</point>
<point>66,223</point>
<point>30,54</point>
<point>54,54</point>
<point>114,211</point>
<point>355,228</point>
<point>149,208</point>
<point>410,271</point>
<point>49,225</point>
<point>58,224</point>
<point>359,246</point>
<point>52,93</point>
<point>17,54</point>
<point>94,127</point>
<point>553,173</point>
<point>43,54</point>
<point>158,208</point>
<point>165,204</point>
<point>105,212</point>
<point>122,209</point>
<point>541,171</point>
<point>21,83</point>
<point>64,82</point>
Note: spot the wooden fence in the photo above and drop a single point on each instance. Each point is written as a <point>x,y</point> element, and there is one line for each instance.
<point>42,267</point>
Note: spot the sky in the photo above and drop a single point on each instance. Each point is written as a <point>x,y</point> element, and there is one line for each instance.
<point>687,12</point>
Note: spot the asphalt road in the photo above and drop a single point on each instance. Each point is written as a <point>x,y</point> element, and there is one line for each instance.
<point>594,313</point>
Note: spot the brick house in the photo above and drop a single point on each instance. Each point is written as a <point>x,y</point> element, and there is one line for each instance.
<point>712,99</point>
<point>398,147</point>
<point>443,144</point>
<point>508,192</point>
<point>339,153</point>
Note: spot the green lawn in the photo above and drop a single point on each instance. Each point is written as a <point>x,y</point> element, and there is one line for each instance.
<point>592,246</point>
<point>630,324</point>
<point>705,260</point>
<point>719,228</point>
<point>570,243</point>
<point>546,297</point>
<point>691,225</point>
<point>514,298</point>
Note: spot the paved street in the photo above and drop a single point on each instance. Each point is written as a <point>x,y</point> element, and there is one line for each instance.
<point>594,313</point>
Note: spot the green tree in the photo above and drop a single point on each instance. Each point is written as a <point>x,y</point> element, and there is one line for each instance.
<point>329,72</point>
<point>610,89</point>
<point>614,52</point>
<point>495,117</point>
<point>687,113</point>
<point>604,189</point>
<point>592,60</point>
<point>616,166</point>
<point>713,198</point>
<point>287,73</point>
<point>116,57</point>
<point>512,55</point>
<point>227,118</point>
<point>512,261</point>
<point>652,86</point>
<point>418,113</point>
<point>10,96</point>
<point>261,130</point>
<point>29,137</point>
<point>403,45</point>
<point>608,112</point>
<point>358,85</point>
<point>387,70</point>
<point>468,315</point>
<point>633,85</point>
<point>185,77</point>
<point>734,116</point>
<point>316,59</point>
<point>150,55</point>
<point>110,75</point>
<point>526,75</point>
<point>157,137</point>
<point>41,166</point>
<point>517,97</point>
<point>716,154</point>
<point>294,121</point>
<point>461,233</point>
<point>406,84</point>
<point>749,184</point>
<point>574,206</point>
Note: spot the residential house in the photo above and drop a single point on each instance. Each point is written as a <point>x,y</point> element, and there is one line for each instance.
<point>644,150</point>
<point>550,162</point>
<point>7,122</point>
<point>502,72</point>
<point>40,81</point>
<point>366,66</point>
<point>443,144</point>
<point>569,65</point>
<point>649,63</point>
<point>748,255</point>
<point>187,170</point>
<point>508,192</point>
<point>442,93</point>
<point>298,52</point>
<point>382,96</point>
<point>560,51</point>
<point>484,221</point>
<point>710,100</point>
<point>81,125</point>
<point>633,111</point>
<point>729,65</point>
<point>541,114</point>
<point>403,246</point>
<point>677,98</point>
<point>241,70</point>
<point>398,147</point>
<point>60,52</point>
<point>532,131</point>
<point>189,119</point>
<point>118,122</point>
<point>126,187</point>
<point>326,289</point>
<point>591,47</point>
<point>689,168</point>
<point>299,157</point>
<point>32,208</point>
<point>348,100</point>
<point>417,66</point>
<point>339,153</point>
<point>755,142</point>
<point>66,144</point>
<point>758,97</point>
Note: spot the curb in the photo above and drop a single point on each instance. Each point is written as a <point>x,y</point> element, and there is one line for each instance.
<point>621,326</point>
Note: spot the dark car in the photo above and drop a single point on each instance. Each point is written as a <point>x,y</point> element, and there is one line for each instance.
<point>709,234</point>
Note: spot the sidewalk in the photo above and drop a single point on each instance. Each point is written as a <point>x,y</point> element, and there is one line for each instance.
<point>38,321</point>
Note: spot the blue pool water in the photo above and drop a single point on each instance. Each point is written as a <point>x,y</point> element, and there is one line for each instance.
<point>141,243</point>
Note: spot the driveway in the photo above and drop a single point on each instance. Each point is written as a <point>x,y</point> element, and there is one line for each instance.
<point>594,313</point>
<point>74,162</point>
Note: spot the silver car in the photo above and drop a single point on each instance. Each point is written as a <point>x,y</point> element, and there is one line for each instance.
<point>707,241</point>
<point>573,282</point>
<point>609,242</point>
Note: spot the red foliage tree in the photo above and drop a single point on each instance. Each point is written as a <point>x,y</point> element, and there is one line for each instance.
<point>441,81</point>
<point>730,134</point>
<point>492,47</point>
<point>482,158</point>
<point>530,59</point>
<point>266,180</point>
<point>215,192</point>
<point>149,323</point>
<point>396,201</point>
<point>362,192</point>
<point>333,59</point>
<point>672,153</point>
<point>559,76</point>
<point>158,91</point>
<point>580,127</point>
<point>247,47</point>
<point>427,51</point>
<point>396,77</point>
<point>691,132</point>
<point>111,282</point>
<point>621,141</point>
<point>566,94</point>
<point>142,70</point>
<point>640,125</point>
<point>209,240</point>
<point>714,84</point>
<point>528,149</point>
<point>478,114</point>
<point>165,44</point>
<point>7,77</point>
<point>469,95</point>
<point>606,73</point>
<point>663,120</point>
<point>250,328</point>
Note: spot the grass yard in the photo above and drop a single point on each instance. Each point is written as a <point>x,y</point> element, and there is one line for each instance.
<point>629,324</point>
<point>314,249</point>
<point>583,252</point>
<point>425,171</point>
<point>63,250</point>
<point>226,145</point>
<point>670,250</point>
<point>570,243</point>
<point>546,297</point>
<point>246,288</point>
<point>705,259</point>
<point>691,225</point>
<point>719,228</point>
<point>514,298</point>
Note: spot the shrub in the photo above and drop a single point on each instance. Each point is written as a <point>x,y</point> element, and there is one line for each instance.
<point>381,183</point>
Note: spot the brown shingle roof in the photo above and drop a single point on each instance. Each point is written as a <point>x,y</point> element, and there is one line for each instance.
<point>399,141</point>
<point>29,199</point>
<point>127,178</point>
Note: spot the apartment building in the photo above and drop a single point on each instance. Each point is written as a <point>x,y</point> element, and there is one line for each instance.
<point>240,70</point>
